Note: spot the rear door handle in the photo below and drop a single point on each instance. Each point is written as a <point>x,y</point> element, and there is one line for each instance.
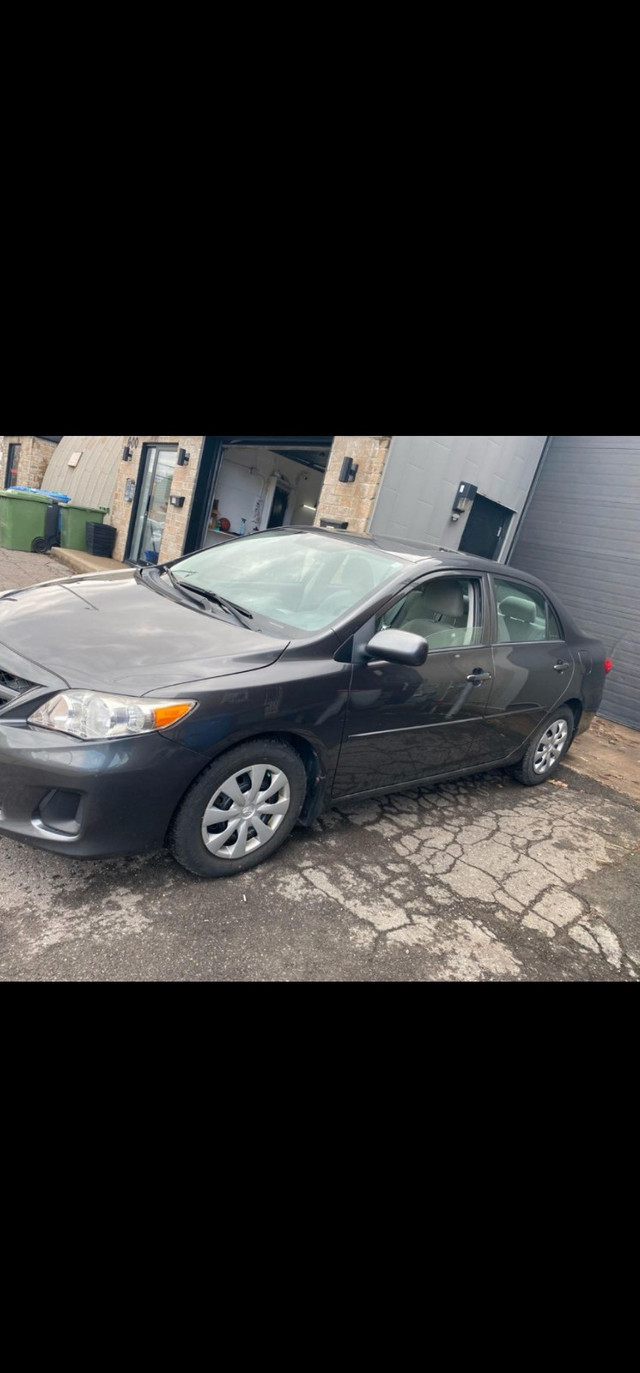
<point>478,677</point>
<point>562,667</point>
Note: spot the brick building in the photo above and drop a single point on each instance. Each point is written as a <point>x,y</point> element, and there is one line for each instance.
<point>24,458</point>
<point>167,492</point>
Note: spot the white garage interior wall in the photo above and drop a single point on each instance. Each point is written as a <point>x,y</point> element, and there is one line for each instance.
<point>247,483</point>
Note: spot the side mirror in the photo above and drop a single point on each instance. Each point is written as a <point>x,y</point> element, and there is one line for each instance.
<point>396,646</point>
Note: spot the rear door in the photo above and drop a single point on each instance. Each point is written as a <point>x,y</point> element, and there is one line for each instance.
<point>408,724</point>
<point>533,666</point>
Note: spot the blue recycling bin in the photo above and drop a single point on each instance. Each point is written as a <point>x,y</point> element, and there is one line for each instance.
<point>36,491</point>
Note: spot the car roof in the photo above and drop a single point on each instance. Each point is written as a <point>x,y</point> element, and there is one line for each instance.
<point>408,551</point>
<point>427,557</point>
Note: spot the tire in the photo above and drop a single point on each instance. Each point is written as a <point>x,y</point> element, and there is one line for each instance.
<point>40,546</point>
<point>207,843</point>
<point>547,749</point>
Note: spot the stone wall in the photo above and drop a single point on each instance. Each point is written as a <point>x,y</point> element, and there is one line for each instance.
<point>355,501</point>
<point>35,455</point>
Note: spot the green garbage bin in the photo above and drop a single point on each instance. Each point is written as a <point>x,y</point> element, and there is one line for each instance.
<point>22,518</point>
<point>73,525</point>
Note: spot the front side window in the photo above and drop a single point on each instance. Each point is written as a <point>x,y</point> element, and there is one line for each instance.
<point>447,611</point>
<point>524,615</point>
<point>300,581</point>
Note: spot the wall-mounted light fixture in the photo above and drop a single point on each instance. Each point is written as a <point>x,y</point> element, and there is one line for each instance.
<point>349,471</point>
<point>178,501</point>
<point>184,458</point>
<point>465,496</point>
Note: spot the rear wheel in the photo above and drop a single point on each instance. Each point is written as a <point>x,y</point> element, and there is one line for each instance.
<point>547,749</point>
<point>240,811</point>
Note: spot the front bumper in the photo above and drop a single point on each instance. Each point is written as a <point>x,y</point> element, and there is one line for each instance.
<point>90,799</point>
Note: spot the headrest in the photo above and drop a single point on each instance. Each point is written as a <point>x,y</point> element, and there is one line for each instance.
<point>515,609</point>
<point>444,598</point>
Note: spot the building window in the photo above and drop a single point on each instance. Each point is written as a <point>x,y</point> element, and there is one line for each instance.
<point>13,464</point>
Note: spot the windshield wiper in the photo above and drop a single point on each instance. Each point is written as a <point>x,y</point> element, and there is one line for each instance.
<point>230,606</point>
<point>195,591</point>
<point>180,586</point>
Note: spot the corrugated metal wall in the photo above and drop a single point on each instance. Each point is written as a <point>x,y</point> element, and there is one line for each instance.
<point>423,473</point>
<point>581,535</point>
<point>93,481</point>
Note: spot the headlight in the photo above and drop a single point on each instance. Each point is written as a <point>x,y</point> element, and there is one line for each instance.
<point>92,715</point>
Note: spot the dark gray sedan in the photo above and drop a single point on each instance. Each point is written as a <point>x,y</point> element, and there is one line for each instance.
<point>214,703</point>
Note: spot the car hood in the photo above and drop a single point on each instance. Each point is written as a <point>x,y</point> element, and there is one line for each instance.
<point>114,632</point>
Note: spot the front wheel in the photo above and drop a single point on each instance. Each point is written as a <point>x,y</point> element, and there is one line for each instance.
<point>547,749</point>
<point>240,811</point>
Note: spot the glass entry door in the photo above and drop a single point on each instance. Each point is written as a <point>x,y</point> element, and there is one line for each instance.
<point>156,476</point>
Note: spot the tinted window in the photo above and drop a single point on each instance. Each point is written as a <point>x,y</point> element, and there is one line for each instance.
<point>555,631</point>
<point>301,581</point>
<point>524,615</point>
<point>447,611</point>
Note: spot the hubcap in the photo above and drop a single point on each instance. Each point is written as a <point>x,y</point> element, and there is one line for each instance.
<point>551,747</point>
<point>245,813</point>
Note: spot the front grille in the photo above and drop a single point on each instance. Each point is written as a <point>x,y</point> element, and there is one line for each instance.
<point>13,686</point>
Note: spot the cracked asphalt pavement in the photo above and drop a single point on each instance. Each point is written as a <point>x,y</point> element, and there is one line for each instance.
<point>478,880</point>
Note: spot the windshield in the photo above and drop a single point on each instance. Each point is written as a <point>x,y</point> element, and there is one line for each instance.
<point>302,581</point>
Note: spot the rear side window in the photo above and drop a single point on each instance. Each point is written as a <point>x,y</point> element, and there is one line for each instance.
<point>524,615</point>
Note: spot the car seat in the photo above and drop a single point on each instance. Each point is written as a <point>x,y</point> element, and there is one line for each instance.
<point>437,613</point>
<point>518,619</point>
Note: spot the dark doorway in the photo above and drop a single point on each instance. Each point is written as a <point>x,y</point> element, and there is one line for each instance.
<point>486,528</point>
<point>278,508</point>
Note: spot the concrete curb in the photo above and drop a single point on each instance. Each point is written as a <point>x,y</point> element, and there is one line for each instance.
<point>84,562</point>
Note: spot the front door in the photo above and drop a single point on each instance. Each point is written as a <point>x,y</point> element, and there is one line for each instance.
<point>154,487</point>
<point>409,724</point>
<point>486,528</point>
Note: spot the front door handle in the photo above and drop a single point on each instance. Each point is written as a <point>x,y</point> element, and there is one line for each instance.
<point>562,667</point>
<point>478,677</point>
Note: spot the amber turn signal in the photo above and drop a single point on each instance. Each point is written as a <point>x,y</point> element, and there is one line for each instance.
<point>169,715</point>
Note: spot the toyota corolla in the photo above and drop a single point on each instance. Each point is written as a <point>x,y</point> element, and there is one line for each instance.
<point>214,703</point>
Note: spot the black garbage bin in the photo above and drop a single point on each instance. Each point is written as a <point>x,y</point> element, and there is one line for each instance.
<point>101,539</point>
<point>51,537</point>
